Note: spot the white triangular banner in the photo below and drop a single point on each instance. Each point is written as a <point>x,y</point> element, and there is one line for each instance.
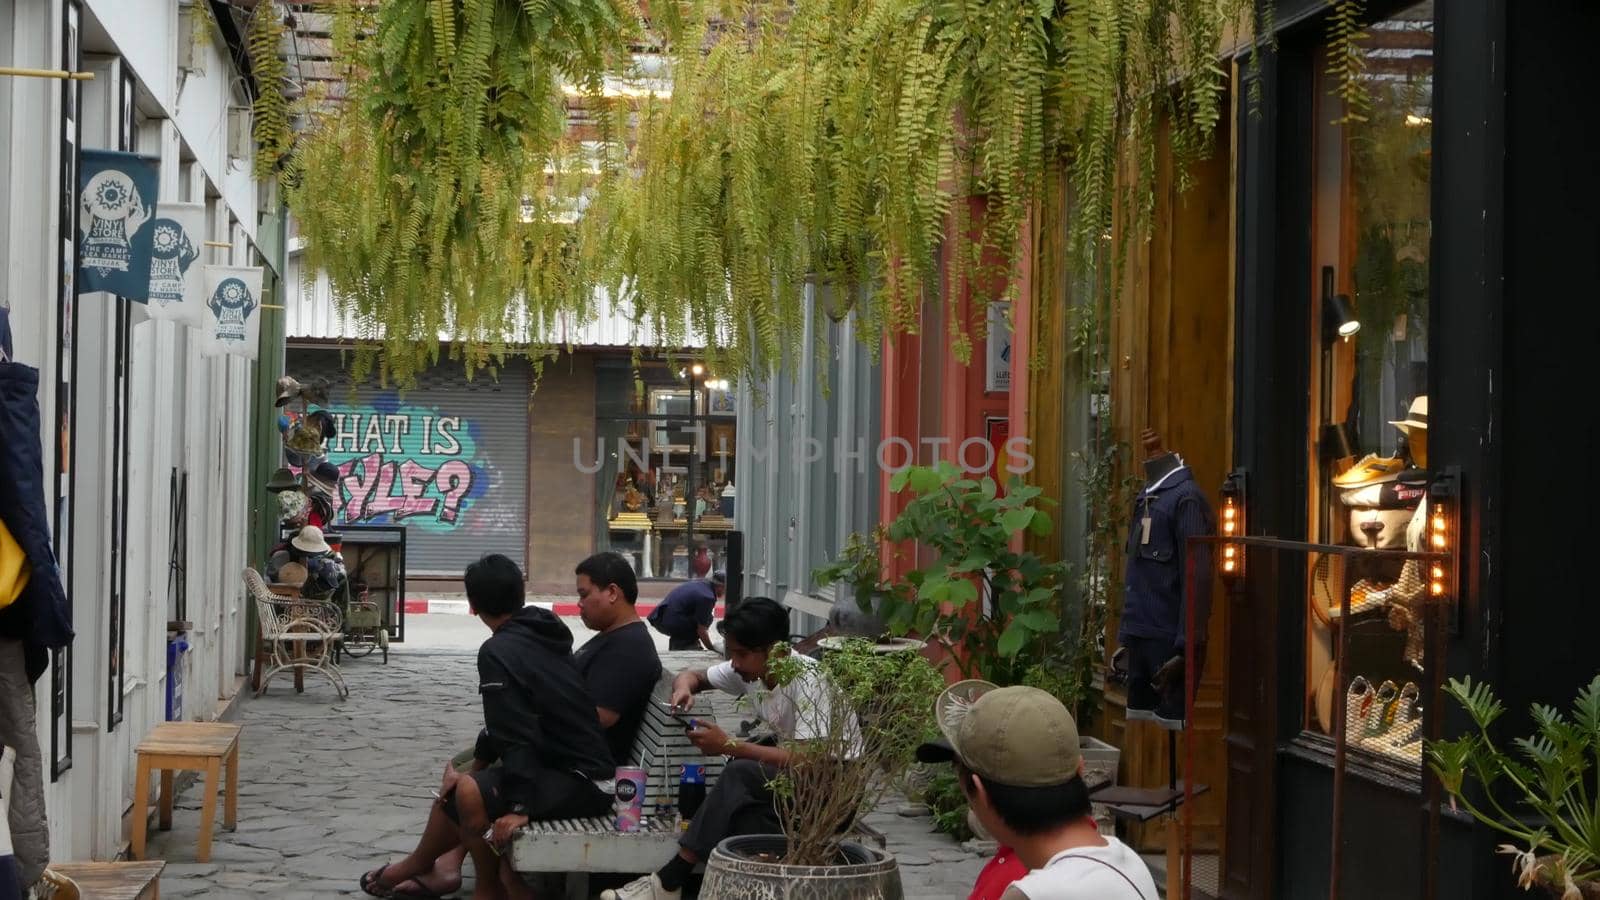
<point>177,284</point>
<point>233,311</point>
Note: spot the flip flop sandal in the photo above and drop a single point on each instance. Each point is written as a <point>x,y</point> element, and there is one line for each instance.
<point>421,893</point>
<point>371,883</point>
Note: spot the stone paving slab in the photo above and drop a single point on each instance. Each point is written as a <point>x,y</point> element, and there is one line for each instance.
<point>331,788</point>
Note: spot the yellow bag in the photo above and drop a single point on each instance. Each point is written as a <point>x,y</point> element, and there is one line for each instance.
<point>14,568</point>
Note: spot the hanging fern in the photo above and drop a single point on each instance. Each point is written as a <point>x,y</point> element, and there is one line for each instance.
<point>427,196</point>
<point>271,126</point>
<point>888,151</point>
<point>1347,61</point>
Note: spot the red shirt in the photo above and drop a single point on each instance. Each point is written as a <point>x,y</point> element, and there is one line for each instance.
<point>998,875</point>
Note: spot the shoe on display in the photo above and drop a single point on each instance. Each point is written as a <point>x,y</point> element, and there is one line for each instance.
<point>647,888</point>
<point>1364,595</point>
<point>1407,728</point>
<point>1385,706</point>
<point>1372,469</point>
<point>1357,706</point>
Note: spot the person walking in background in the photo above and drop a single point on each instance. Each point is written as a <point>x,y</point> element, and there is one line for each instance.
<point>1016,755</point>
<point>685,616</point>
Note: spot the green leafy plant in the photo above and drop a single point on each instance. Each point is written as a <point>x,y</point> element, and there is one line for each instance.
<point>889,149</point>
<point>833,781</point>
<point>270,120</point>
<point>859,571</point>
<point>969,525</point>
<point>438,196</point>
<point>1549,779</point>
<point>944,799</point>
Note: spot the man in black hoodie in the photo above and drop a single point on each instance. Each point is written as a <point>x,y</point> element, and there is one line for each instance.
<point>539,724</point>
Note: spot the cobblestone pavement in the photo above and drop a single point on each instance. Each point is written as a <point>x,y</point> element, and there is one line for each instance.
<point>329,789</point>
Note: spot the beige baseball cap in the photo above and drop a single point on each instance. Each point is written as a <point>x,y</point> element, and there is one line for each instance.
<point>1016,736</point>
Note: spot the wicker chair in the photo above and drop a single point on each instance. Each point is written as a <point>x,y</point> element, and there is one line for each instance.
<point>297,634</point>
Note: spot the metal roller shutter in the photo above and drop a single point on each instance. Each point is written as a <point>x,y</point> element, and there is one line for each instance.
<point>448,459</point>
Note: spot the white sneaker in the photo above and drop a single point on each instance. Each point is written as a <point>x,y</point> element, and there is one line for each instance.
<point>648,888</point>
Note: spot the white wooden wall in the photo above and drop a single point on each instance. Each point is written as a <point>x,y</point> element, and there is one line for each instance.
<point>186,411</point>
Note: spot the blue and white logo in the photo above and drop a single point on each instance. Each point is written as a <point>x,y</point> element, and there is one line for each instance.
<point>172,253</point>
<point>232,304</point>
<point>114,212</point>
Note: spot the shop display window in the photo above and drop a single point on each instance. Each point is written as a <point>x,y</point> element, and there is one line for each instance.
<point>1367,450</point>
<point>666,453</point>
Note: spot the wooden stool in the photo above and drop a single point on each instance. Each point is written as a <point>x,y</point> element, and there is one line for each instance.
<point>115,880</point>
<point>194,747</point>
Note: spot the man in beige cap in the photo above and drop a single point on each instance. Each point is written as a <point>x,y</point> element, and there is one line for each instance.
<point>1017,757</point>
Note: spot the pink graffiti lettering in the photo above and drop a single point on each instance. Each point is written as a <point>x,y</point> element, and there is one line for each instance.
<point>414,480</point>
<point>459,475</point>
<point>370,482</point>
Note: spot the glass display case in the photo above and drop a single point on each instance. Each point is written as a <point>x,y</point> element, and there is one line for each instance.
<point>1371,233</point>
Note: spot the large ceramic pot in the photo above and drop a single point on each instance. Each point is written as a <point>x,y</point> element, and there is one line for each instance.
<point>848,618</point>
<point>744,868</point>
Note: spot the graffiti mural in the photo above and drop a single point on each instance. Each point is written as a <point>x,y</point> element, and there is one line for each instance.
<point>411,466</point>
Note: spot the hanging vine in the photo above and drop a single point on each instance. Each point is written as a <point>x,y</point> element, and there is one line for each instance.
<point>270,125</point>
<point>888,152</point>
<point>438,196</point>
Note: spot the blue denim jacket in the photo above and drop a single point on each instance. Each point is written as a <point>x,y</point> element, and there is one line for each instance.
<point>1153,589</point>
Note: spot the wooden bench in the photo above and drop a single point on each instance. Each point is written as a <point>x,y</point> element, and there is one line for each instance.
<point>581,847</point>
<point>113,880</point>
<point>187,746</point>
<point>296,634</point>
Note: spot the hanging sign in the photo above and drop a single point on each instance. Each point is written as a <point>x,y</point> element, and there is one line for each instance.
<point>233,303</point>
<point>116,203</point>
<point>998,357</point>
<point>177,286</point>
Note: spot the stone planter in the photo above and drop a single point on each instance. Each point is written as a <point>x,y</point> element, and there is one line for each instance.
<point>741,868</point>
<point>1098,754</point>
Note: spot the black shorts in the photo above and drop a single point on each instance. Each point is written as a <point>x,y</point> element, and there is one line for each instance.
<point>546,795</point>
<point>1145,657</point>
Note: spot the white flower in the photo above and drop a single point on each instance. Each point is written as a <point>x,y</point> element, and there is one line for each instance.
<point>1524,865</point>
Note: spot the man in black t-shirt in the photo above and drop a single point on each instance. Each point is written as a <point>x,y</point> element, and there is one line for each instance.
<point>686,614</point>
<point>620,666</point>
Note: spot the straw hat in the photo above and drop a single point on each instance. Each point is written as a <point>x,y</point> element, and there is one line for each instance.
<point>1416,418</point>
<point>310,540</point>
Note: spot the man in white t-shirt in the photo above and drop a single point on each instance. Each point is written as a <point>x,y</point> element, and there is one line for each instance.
<point>741,802</point>
<point>1017,757</point>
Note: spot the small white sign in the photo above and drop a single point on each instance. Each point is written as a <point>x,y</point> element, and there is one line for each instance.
<point>998,368</point>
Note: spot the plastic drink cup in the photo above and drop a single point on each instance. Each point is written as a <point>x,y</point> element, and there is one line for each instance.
<point>630,797</point>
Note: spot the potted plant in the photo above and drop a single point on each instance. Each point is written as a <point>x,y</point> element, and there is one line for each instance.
<point>1557,846</point>
<point>996,609</point>
<point>876,708</point>
<point>859,586</point>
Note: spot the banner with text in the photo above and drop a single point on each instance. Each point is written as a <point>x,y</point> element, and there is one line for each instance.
<point>177,284</point>
<point>116,203</point>
<point>233,298</point>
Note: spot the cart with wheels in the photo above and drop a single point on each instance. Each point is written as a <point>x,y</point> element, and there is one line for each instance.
<point>364,627</point>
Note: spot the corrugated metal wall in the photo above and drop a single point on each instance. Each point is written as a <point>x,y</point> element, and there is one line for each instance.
<point>449,459</point>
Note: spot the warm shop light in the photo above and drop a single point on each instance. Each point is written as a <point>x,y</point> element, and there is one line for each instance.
<point>1439,538</point>
<point>1232,525</point>
<point>697,369</point>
